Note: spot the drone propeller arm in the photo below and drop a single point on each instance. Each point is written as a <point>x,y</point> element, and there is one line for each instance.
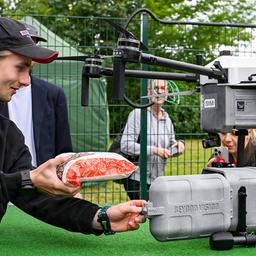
<point>161,75</point>
<point>153,75</point>
<point>198,69</point>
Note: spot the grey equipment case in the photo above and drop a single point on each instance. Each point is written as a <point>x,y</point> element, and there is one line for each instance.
<point>192,206</point>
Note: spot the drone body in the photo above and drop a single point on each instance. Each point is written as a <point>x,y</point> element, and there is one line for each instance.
<point>230,105</point>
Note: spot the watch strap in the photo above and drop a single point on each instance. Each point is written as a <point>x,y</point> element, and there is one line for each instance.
<point>104,220</point>
<point>26,182</point>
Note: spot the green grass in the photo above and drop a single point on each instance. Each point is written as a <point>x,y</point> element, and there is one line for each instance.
<point>192,162</point>
<point>24,235</point>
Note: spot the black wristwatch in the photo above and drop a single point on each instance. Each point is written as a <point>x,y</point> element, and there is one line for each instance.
<point>26,182</point>
<point>104,221</point>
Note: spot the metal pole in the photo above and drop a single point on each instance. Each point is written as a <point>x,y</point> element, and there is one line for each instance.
<point>143,118</point>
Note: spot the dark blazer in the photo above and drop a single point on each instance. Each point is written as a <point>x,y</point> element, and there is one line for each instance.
<point>50,120</point>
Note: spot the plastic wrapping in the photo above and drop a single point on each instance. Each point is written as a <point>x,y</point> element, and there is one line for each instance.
<point>94,166</point>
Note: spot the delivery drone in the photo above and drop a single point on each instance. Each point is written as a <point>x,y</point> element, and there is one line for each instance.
<point>221,204</point>
<point>226,84</point>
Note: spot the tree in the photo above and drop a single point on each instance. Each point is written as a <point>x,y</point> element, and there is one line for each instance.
<point>179,42</point>
<point>183,42</point>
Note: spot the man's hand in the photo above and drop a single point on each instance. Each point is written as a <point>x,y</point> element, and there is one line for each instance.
<point>165,153</point>
<point>123,217</point>
<point>45,179</point>
<point>209,164</point>
<point>162,152</point>
<point>180,145</point>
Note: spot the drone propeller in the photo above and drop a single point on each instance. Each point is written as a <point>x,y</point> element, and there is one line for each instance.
<point>84,57</point>
<point>75,58</point>
<point>92,68</point>
<point>127,33</point>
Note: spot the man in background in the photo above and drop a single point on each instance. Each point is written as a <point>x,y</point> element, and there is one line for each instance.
<point>161,142</point>
<point>44,119</point>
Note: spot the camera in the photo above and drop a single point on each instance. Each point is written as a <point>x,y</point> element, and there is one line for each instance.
<point>213,140</point>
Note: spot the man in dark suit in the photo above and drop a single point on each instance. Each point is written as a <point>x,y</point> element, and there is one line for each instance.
<point>44,119</point>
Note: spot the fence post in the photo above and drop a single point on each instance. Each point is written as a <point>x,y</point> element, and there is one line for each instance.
<point>143,118</point>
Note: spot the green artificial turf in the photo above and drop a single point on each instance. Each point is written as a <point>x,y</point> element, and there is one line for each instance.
<point>24,235</point>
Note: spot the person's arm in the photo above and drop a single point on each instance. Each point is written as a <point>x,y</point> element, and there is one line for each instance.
<point>8,182</point>
<point>211,160</point>
<point>82,216</point>
<point>66,212</point>
<point>180,144</point>
<point>122,217</point>
<point>16,158</point>
<point>166,151</point>
<point>129,141</point>
<point>44,178</point>
<point>11,183</point>
<point>72,213</point>
<point>61,211</point>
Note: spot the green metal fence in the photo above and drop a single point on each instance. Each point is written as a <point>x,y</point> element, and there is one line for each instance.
<point>94,127</point>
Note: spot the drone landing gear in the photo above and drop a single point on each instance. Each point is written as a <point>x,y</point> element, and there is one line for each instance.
<point>226,240</point>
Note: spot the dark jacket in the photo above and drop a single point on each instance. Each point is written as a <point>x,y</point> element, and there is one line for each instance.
<point>50,120</point>
<point>249,155</point>
<point>67,212</point>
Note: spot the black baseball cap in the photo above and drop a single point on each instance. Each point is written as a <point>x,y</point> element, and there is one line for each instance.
<point>16,38</point>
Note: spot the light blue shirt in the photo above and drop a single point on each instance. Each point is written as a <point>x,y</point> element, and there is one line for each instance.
<point>160,133</point>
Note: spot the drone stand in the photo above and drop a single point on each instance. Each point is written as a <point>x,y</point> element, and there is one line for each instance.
<point>226,240</point>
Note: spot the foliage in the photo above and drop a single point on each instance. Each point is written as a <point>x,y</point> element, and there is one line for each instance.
<point>179,42</point>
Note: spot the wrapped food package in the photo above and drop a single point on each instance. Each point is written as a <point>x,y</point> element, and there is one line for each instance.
<point>94,166</point>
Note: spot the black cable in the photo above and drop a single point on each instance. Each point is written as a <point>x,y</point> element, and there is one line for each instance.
<point>129,102</point>
<point>175,22</point>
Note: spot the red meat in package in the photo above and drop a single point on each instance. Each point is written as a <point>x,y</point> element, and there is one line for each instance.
<point>94,166</point>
